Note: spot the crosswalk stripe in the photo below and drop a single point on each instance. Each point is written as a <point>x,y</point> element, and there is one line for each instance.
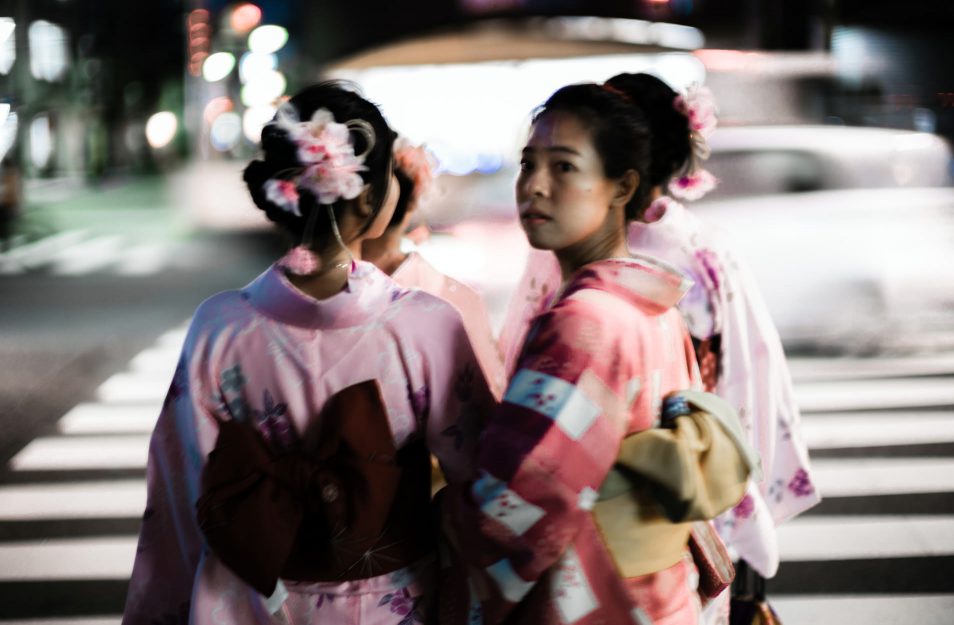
<point>142,260</point>
<point>80,558</point>
<point>71,500</point>
<point>872,429</point>
<point>101,418</point>
<point>867,609</point>
<point>87,256</point>
<point>37,253</point>
<point>857,477</point>
<point>874,394</point>
<point>805,369</point>
<point>160,361</point>
<point>868,537</point>
<point>87,452</point>
<point>134,387</point>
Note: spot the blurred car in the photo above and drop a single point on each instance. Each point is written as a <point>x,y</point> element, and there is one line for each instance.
<point>849,231</point>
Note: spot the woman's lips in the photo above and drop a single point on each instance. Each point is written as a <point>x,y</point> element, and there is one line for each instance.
<point>534,218</point>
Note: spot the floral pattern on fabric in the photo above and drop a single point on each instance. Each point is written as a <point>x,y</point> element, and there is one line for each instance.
<point>531,539</point>
<point>743,362</point>
<point>271,356</point>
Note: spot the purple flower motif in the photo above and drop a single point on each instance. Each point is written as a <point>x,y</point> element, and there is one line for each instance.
<point>274,424</point>
<point>745,508</point>
<point>322,597</point>
<point>710,264</point>
<point>801,485</point>
<point>402,604</point>
<point>420,402</point>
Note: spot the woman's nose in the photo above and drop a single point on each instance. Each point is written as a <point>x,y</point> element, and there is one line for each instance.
<point>536,184</point>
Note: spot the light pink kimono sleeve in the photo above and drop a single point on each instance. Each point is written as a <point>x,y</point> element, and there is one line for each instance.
<point>454,397</point>
<point>170,545</point>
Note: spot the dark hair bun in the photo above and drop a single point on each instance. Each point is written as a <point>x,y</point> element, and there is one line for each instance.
<point>671,147</point>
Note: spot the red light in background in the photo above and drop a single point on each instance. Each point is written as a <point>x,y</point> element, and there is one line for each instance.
<point>216,107</point>
<point>245,17</point>
<point>199,39</point>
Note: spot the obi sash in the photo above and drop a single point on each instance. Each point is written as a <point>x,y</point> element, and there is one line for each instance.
<point>353,507</point>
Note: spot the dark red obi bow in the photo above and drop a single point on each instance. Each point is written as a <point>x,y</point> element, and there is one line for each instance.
<point>352,508</point>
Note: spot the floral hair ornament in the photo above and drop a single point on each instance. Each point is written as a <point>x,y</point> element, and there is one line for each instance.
<point>698,105</point>
<point>330,170</point>
<point>419,164</point>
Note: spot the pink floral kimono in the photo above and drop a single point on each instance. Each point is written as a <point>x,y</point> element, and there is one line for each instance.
<point>594,369</point>
<point>742,361</point>
<point>271,356</point>
<point>415,272</point>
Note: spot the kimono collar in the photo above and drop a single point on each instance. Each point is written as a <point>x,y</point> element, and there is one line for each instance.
<point>644,281</point>
<point>366,295</point>
<point>417,271</point>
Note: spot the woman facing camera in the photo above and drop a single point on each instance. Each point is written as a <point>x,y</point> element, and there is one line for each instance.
<point>559,527</point>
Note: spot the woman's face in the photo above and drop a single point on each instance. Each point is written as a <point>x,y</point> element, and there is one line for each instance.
<point>563,196</point>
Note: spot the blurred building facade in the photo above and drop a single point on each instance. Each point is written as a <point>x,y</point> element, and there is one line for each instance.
<point>92,87</point>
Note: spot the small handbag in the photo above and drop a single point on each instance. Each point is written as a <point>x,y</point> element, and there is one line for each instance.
<point>711,558</point>
<point>748,605</point>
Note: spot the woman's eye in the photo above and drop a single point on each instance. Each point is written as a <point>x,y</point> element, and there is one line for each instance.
<point>525,165</point>
<point>564,166</point>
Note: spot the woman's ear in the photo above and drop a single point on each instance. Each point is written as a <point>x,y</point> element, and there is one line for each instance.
<point>626,187</point>
<point>362,203</point>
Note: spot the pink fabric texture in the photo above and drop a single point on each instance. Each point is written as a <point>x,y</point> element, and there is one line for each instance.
<point>754,376</point>
<point>270,354</point>
<point>594,368</point>
<point>416,272</point>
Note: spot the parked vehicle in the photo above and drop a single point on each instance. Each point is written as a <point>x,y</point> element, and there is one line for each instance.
<point>849,231</point>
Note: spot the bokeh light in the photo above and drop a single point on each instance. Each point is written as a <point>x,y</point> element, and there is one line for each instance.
<point>254,64</point>
<point>267,39</point>
<point>218,66</point>
<point>226,131</point>
<point>254,120</point>
<point>245,17</point>
<point>264,89</point>
<point>216,107</point>
<point>161,129</point>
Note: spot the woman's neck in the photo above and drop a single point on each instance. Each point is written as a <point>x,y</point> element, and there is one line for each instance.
<point>612,244</point>
<point>385,251</point>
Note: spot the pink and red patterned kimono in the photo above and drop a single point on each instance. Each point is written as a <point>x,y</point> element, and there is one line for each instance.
<point>417,273</point>
<point>594,369</point>
<point>741,360</point>
<point>271,356</point>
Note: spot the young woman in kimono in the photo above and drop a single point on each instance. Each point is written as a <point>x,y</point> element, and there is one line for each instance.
<point>543,539</point>
<point>289,473</point>
<point>737,345</point>
<point>414,170</point>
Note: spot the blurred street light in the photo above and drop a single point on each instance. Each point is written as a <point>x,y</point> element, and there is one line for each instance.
<point>253,65</point>
<point>264,89</point>
<point>161,129</point>
<point>226,131</point>
<point>218,66</point>
<point>267,39</point>
<point>245,17</point>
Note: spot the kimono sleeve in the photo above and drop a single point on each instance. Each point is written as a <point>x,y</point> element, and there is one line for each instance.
<point>170,543</point>
<point>542,458</point>
<point>455,398</point>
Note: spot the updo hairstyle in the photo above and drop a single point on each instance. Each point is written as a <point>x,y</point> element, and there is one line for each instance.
<point>280,155</point>
<point>671,147</point>
<point>620,133</point>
